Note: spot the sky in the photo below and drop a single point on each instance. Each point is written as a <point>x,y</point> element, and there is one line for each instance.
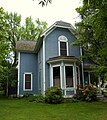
<point>59,10</point>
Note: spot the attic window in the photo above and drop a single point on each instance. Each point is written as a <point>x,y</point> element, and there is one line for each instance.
<point>63,46</point>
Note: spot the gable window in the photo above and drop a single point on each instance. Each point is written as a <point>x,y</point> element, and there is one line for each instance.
<point>63,46</point>
<point>63,49</point>
<point>28,81</point>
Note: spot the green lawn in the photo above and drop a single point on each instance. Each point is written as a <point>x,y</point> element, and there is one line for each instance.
<point>20,109</point>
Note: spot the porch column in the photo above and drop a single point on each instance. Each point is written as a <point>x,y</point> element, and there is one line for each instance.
<point>51,76</point>
<point>99,85</point>
<point>62,75</point>
<point>75,77</point>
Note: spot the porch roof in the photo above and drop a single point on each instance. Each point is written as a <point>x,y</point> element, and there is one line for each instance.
<point>63,58</point>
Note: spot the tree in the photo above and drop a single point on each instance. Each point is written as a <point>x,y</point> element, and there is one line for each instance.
<point>29,31</point>
<point>3,41</point>
<point>92,33</point>
<point>44,2</point>
<point>11,31</point>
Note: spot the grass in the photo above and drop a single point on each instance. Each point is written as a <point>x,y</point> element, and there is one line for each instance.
<point>21,109</point>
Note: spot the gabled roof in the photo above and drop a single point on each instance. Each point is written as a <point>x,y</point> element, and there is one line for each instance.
<point>26,46</point>
<point>61,24</point>
<point>31,46</point>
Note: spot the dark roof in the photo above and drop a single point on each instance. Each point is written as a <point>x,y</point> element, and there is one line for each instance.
<point>61,24</point>
<point>25,46</point>
<point>64,58</point>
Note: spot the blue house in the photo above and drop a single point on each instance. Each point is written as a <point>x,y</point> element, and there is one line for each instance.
<point>51,61</point>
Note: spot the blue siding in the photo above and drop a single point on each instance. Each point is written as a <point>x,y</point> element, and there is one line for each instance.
<point>52,50</point>
<point>28,63</point>
<point>40,69</point>
<point>51,44</point>
<point>31,62</point>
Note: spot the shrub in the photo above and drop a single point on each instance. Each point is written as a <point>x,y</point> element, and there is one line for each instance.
<point>86,93</point>
<point>37,98</point>
<point>53,95</point>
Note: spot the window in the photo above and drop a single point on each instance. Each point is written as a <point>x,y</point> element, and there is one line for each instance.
<point>63,49</point>
<point>27,81</point>
<point>69,76</point>
<point>63,46</point>
<point>56,76</point>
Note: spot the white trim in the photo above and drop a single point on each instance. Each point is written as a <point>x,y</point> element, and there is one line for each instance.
<point>78,73</point>
<point>51,80</point>
<point>44,66</point>
<point>67,49</point>
<point>74,82</point>
<point>18,74</point>
<point>62,38</point>
<point>73,74</point>
<point>24,82</point>
<point>71,28</point>
<point>63,83</point>
<point>51,76</point>
<point>61,75</point>
<point>48,29</point>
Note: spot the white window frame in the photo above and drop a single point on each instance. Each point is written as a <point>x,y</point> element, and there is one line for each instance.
<point>62,38</point>
<point>69,88</point>
<point>51,75</point>
<point>24,82</point>
<point>65,75</point>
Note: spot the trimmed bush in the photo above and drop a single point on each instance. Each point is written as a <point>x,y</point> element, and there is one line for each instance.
<point>53,95</point>
<point>86,93</point>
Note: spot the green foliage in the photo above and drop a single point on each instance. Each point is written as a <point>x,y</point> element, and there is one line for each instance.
<point>86,93</point>
<point>105,94</point>
<point>32,29</point>
<point>92,33</point>
<point>53,95</point>
<point>4,47</point>
<point>38,98</point>
<point>11,31</point>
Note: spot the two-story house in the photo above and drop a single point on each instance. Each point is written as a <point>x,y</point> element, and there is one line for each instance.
<point>51,61</point>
